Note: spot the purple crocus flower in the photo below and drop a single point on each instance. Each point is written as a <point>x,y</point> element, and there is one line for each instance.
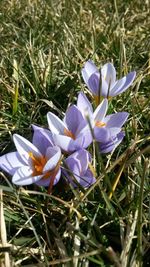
<point>78,169</point>
<point>109,85</point>
<point>37,162</point>
<point>71,133</point>
<point>106,129</point>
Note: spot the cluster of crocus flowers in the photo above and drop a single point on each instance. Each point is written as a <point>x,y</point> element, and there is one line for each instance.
<point>61,150</point>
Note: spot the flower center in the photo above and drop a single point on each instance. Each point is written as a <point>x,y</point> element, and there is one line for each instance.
<point>69,134</point>
<point>38,163</point>
<point>97,99</point>
<point>100,124</point>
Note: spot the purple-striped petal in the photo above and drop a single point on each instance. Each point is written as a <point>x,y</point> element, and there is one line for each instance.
<point>109,73</point>
<point>104,134</point>
<point>87,180</point>
<point>74,120</point>
<point>88,69</point>
<point>56,125</point>
<point>46,181</point>
<point>10,162</point>
<point>62,141</point>
<point>24,147</point>
<point>116,120</point>
<point>111,145</point>
<point>54,155</point>
<point>123,84</point>
<point>81,157</point>
<point>23,176</point>
<point>84,105</point>
<point>42,138</point>
<point>87,136</point>
<point>77,144</point>
<point>78,167</point>
<point>94,85</point>
<point>100,111</point>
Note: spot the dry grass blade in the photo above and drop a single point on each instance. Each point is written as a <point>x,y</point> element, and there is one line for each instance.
<point>7,262</point>
<point>128,240</point>
<point>76,245</point>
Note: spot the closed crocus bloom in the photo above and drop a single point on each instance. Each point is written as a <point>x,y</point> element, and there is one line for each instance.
<point>37,162</point>
<point>78,169</point>
<point>103,82</point>
<point>106,128</point>
<point>71,133</point>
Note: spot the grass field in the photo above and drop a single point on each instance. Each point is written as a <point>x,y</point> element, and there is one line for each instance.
<point>43,46</point>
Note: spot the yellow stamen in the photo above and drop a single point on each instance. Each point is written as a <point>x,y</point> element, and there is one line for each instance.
<point>69,134</point>
<point>100,124</point>
<point>97,99</point>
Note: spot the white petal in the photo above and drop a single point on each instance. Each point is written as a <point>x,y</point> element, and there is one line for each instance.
<point>88,69</point>
<point>24,147</point>
<point>11,162</point>
<point>117,86</point>
<point>54,155</point>
<point>101,110</point>
<point>56,125</point>
<point>46,182</point>
<point>23,176</point>
<point>62,141</point>
<point>109,74</point>
<point>84,105</point>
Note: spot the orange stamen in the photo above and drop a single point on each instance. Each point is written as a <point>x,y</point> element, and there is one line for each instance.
<point>100,124</point>
<point>38,163</point>
<point>69,134</point>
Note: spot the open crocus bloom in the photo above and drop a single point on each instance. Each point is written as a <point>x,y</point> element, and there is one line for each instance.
<point>33,163</point>
<point>106,129</point>
<point>70,134</point>
<point>78,169</point>
<point>109,85</point>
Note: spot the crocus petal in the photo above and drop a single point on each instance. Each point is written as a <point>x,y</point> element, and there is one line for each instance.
<point>86,136</point>
<point>109,74</point>
<point>87,180</point>
<point>74,120</point>
<point>104,134</point>
<point>88,70</point>
<point>128,81</point>
<point>94,85</point>
<point>100,111</point>
<point>56,125</point>
<point>23,176</point>
<point>46,181</point>
<point>62,141</point>
<point>54,154</point>
<point>68,144</point>
<point>24,147</point>
<point>76,144</point>
<point>116,120</point>
<point>81,157</point>
<point>11,162</point>
<point>84,105</point>
<point>42,138</point>
<point>78,168</point>
<point>57,177</point>
<point>111,145</point>
<point>73,165</point>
